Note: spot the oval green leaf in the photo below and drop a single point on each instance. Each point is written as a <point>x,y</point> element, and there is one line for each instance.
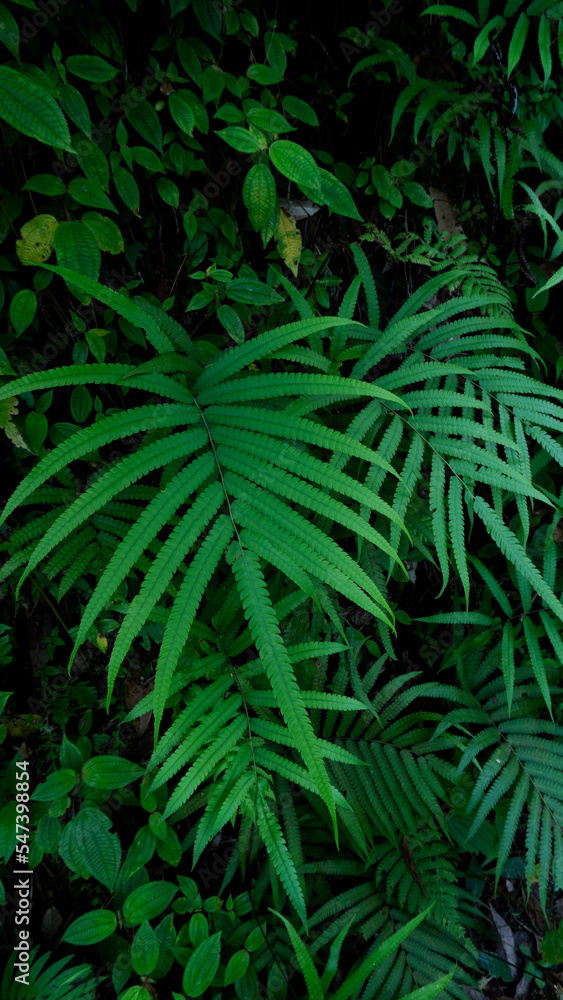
<point>144,950</point>
<point>148,901</point>
<point>9,31</point>
<point>145,120</point>
<point>240,138</point>
<point>92,161</point>
<point>238,964</point>
<point>80,404</point>
<point>91,68</point>
<point>22,310</point>
<point>231,322</point>
<point>168,191</point>
<point>336,196</point>
<point>58,783</point>
<point>295,107</point>
<point>36,429</point>
<point>269,121</point>
<point>252,292</point>
<point>77,249</point>
<point>105,232</point>
<point>126,187</point>
<point>141,851</point>
<point>88,193</point>
<point>202,966</point>
<point>45,184</point>
<point>181,111</point>
<point>91,928</point>
<point>297,165</point>
<point>110,772</point>
<point>259,194</point>
<point>416,193</point>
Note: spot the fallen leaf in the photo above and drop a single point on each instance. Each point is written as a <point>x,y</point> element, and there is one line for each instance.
<point>445,212</point>
<point>507,941</point>
<point>299,208</point>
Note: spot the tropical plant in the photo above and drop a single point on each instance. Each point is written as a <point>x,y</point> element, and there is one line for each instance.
<point>232,458</point>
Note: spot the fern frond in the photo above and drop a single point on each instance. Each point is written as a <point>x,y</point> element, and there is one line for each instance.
<point>22,536</point>
<point>304,356</point>
<point>457,533</point>
<point>68,552</point>
<point>302,465</point>
<point>420,399</point>
<point>289,427</point>
<point>493,585</point>
<point>176,546</point>
<point>311,699</point>
<point>403,493</point>
<point>183,677</point>
<point>94,374</point>
<point>205,765</point>
<point>304,308</point>
<point>261,543</point>
<point>315,989</point>
<point>510,547</point>
<point>310,548</point>
<point>537,661</point>
<point>272,835</point>
<point>131,468</point>
<point>118,425</point>
<point>518,800</point>
<point>286,768</point>
<point>368,283</point>
<point>346,310</point>
<point>81,564</point>
<point>189,595</point>
<point>145,529</point>
<point>284,384</point>
<point>234,359</point>
<point>466,428</point>
<point>499,787</point>
<point>437,504</point>
<point>130,310</point>
<point>201,701</point>
<point>278,734</point>
<point>267,637</point>
<point>295,489</point>
<point>208,729</point>
<point>223,804</point>
<point>168,325</point>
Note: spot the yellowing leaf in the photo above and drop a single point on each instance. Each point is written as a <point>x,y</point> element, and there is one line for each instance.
<point>36,244</point>
<point>101,642</point>
<point>23,725</point>
<point>288,241</point>
<point>9,409</point>
<point>262,141</point>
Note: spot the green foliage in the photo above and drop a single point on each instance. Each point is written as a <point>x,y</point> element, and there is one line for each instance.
<point>225,483</point>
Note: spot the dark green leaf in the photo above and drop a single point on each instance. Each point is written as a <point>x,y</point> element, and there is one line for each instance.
<point>91,928</point>
<point>91,68</point>
<point>31,110</point>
